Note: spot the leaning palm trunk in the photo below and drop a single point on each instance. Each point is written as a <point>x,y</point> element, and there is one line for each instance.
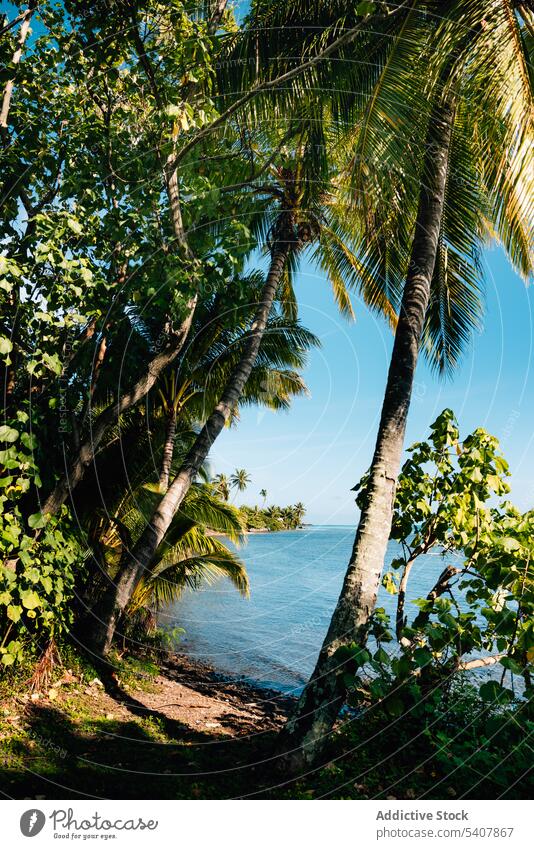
<point>137,562</point>
<point>307,730</point>
<point>168,451</point>
<point>111,414</point>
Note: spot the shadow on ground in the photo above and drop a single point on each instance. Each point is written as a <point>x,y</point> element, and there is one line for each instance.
<point>150,758</point>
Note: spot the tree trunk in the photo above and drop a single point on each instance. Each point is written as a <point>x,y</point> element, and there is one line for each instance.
<point>306,732</point>
<point>110,415</point>
<point>168,451</point>
<point>15,60</point>
<point>108,612</point>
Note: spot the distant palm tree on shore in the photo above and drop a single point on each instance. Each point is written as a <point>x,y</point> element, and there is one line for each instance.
<point>240,480</point>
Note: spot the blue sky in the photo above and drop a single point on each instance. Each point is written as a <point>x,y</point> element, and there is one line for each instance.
<point>318,450</point>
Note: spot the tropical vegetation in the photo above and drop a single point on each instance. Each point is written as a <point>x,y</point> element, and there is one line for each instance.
<point>166,171</point>
<point>273,518</point>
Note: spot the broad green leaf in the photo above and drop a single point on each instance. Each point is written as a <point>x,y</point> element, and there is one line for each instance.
<point>6,345</point>
<point>13,612</point>
<point>29,441</point>
<point>8,434</point>
<point>36,520</point>
<point>365,8</point>
<point>30,599</point>
<point>422,657</point>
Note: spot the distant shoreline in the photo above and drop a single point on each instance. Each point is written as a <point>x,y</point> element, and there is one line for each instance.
<point>254,531</point>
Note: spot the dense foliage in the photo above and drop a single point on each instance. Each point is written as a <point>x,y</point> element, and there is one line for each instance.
<point>274,518</point>
<point>480,610</point>
<point>101,397</point>
<point>165,170</point>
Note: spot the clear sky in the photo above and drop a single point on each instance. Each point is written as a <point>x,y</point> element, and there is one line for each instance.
<point>318,450</point>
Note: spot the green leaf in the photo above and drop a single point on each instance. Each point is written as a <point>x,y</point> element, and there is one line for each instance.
<point>173,111</point>
<point>6,345</point>
<point>365,8</point>
<point>32,574</point>
<point>13,612</point>
<point>29,441</point>
<point>30,599</point>
<point>361,656</point>
<point>75,226</point>
<point>8,659</point>
<point>422,657</point>
<point>37,520</point>
<point>512,665</point>
<point>8,434</point>
<point>52,362</point>
<point>381,656</point>
<point>492,691</point>
<point>377,688</point>
<point>510,544</point>
<point>46,581</point>
<point>388,582</point>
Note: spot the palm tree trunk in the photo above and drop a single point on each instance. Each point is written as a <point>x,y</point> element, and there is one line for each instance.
<point>168,451</point>
<point>84,457</point>
<point>306,732</point>
<point>107,614</point>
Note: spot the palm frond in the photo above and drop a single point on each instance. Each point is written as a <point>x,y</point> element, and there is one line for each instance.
<point>198,559</point>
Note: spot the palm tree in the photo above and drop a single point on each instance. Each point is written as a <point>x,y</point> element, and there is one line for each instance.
<point>287,516</point>
<point>222,485</point>
<point>274,514</point>
<point>125,461</point>
<point>195,559</point>
<point>113,505</point>
<point>298,211</point>
<point>472,179</point>
<point>263,493</point>
<point>299,511</point>
<point>211,354</point>
<point>188,557</point>
<point>173,396</point>
<point>240,480</point>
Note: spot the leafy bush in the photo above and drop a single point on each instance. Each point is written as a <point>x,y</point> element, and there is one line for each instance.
<point>480,610</point>
<point>37,559</point>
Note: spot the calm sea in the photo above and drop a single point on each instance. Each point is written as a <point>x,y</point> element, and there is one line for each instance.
<point>273,637</point>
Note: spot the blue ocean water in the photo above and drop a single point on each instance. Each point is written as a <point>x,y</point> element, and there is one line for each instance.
<point>273,637</point>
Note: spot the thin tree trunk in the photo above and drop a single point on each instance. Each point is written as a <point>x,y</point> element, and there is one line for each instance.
<point>15,60</point>
<point>100,357</point>
<point>440,587</point>
<point>168,451</point>
<point>110,415</point>
<point>108,612</point>
<point>401,598</point>
<point>306,732</point>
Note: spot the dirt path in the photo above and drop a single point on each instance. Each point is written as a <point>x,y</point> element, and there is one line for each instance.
<point>201,699</point>
<point>182,732</point>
